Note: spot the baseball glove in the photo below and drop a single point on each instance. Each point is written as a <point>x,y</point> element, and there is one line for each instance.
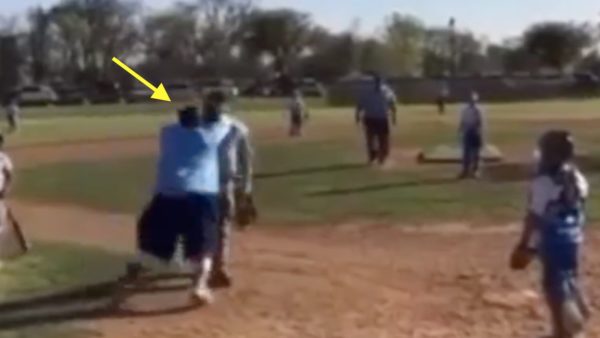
<point>521,257</point>
<point>245,210</point>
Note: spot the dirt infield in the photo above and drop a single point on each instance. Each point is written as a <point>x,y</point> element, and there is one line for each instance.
<point>356,280</point>
<point>351,280</point>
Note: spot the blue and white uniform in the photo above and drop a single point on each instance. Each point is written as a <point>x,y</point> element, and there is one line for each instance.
<point>558,201</point>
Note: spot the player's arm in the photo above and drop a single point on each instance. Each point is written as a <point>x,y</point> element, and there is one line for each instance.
<point>392,103</point>
<point>7,171</point>
<point>245,154</point>
<point>538,200</point>
<point>359,110</point>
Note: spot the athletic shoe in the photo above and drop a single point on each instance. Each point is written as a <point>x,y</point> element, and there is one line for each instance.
<point>202,295</point>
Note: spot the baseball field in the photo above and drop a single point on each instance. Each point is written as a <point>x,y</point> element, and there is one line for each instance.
<point>341,249</point>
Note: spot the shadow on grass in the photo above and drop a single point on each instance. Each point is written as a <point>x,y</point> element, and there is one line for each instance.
<point>381,187</point>
<point>311,170</point>
<point>96,301</point>
<point>524,171</point>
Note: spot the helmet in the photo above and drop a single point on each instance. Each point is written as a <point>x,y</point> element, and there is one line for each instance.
<point>556,148</point>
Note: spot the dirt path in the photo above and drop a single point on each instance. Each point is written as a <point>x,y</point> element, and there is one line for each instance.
<point>348,281</point>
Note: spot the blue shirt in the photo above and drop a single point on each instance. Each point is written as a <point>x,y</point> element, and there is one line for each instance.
<point>189,159</point>
<point>376,103</point>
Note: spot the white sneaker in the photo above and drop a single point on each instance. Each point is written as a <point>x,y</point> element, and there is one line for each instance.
<point>203,295</point>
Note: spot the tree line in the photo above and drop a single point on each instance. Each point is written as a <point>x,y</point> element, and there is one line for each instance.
<point>75,40</point>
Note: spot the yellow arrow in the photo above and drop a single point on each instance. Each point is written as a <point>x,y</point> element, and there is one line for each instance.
<point>160,93</point>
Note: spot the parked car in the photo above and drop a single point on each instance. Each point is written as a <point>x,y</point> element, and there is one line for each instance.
<point>139,93</point>
<point>308,87</point>
<point>70,95</point>
<point>105,92</point>
<point>181,91</point>
<point>37,95</point>
<point>225,85</point>
<point>311,88</point>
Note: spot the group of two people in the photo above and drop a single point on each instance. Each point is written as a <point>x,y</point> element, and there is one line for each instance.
<point>204,179</point>
<point>376,110</point>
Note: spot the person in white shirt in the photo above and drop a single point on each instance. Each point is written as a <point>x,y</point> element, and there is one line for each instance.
<point>6,171</point>
<point>236,200</point>
<point>13,112</point>
<point>12,242</point>
<point>471,129</point>
<point>298,113</point>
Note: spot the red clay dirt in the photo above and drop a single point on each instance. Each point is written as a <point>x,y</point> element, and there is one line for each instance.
<point>352,280</point>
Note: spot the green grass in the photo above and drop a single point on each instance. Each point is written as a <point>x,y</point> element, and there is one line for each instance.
<point>52,267</point>
<point>320,178</point>
<point>153,108</point>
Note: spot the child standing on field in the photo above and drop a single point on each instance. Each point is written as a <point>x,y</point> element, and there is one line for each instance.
<point>554,232</point>
<point>471,133</point>
<point>298,113</point>
<point>13,112</point>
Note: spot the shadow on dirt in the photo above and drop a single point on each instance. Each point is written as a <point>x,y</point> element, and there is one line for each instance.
<point>382,187</point>
<point>96,301</point>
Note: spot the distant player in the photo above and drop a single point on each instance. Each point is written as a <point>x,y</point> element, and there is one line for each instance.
<point>376,107</point>
<point>554,231</point>
<point>471,129</point>
<point>186,201</point>
<point>442,98</point>
<point>236,202</point>
<point>13,112</point>
<point>298,113</point>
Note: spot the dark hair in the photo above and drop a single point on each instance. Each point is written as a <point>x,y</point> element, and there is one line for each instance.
<point>212,102</point>
<point>189,116</point>
<point>556,148</point>
<point>216,97</point>
<point>1,140</point>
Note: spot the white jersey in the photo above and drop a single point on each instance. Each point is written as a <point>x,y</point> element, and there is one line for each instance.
<point>237,154</point>
<point>544,191</point>
<point>5,165</point>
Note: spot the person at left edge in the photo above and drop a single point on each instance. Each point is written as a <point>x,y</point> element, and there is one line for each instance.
<point>185,205</point>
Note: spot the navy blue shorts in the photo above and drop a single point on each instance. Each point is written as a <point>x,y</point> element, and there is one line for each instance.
<point>192,218</point>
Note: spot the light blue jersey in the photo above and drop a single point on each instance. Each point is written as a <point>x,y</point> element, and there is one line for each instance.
<point>189,159</point>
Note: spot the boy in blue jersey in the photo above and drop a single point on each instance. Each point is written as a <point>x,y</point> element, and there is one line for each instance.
<point>554,232</point>
<point>186,202</point>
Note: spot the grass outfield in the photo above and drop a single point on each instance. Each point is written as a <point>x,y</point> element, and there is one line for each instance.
<point>321,177</point>
<point>48,268</point>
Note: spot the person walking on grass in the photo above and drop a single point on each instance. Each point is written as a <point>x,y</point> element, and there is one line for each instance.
<point>185,206</point>
<point>553,232</point>
<point>471,129</point>
<point>13,112</point>
<point>375,110</point>
<point>298,113</point>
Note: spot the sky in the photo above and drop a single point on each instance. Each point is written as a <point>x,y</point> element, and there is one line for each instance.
<point>494,19</point>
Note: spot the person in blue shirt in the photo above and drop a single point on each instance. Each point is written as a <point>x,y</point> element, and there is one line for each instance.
<point>185,206</point>
<point>376,107</point>
<point>554,231</point>
<point>471,131</point>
